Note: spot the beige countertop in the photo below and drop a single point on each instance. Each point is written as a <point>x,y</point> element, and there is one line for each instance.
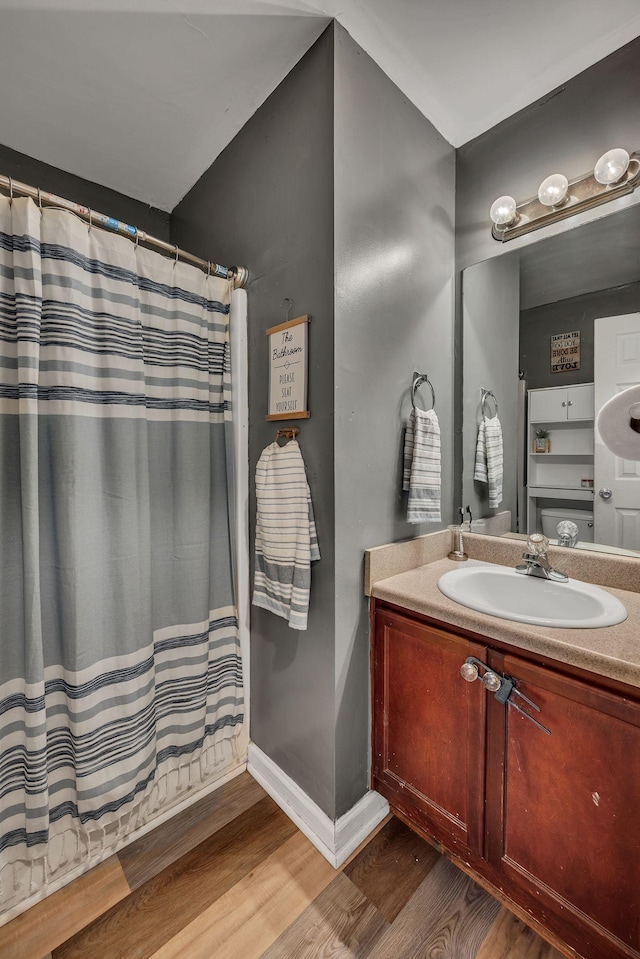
<point>612,651</point>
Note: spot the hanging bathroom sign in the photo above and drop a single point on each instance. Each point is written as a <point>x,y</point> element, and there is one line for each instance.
<point>565,352</point>
<point>288,366</point>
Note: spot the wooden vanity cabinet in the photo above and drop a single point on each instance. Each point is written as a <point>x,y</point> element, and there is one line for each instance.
<point>429,739</point>
<point>571,805</point>
<point>550,823</point>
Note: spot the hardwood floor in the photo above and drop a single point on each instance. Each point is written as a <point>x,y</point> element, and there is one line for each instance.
<point>233,878</point>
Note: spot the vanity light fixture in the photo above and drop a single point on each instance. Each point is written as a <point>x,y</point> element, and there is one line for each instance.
<point>616,172</point>
<point>503,211</point>
<point>553,191</point>
<point>611,166</point>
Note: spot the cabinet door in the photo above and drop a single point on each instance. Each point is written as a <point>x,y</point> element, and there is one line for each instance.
<point>580,402</point>
<point>429,729</point>
<point>558,404</point>
<point>547,406</point>
<point>571,805</point>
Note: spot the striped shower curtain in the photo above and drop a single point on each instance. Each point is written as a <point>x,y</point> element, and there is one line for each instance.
<point>120,672</point>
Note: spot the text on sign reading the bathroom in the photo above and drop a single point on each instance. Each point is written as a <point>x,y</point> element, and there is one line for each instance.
<point>287,380</point>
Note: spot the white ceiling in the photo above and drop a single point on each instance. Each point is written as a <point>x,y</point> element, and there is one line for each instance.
<point>142,95</point>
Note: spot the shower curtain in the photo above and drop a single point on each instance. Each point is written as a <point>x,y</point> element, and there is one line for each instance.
<point>120,670</point>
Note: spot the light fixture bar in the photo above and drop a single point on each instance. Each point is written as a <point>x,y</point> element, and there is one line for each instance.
<point>584,193</point>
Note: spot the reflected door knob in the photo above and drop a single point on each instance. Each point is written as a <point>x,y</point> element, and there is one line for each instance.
<point>605,493</point>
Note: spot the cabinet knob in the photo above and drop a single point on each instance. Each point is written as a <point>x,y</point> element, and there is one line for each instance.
<point>605,493</point>
<point>503,688</point>
<point>492,681</point>
<point>564,402</point>
<point>570,403</point>
<point>469,672</point>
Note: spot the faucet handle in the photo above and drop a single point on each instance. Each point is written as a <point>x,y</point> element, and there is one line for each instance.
<point>538,545</point>
<point>567,533</point>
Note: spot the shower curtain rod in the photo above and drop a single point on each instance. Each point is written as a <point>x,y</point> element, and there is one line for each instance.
<point>239,274</point>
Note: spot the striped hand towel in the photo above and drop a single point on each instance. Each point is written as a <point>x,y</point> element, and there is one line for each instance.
<point>421,476</point>
<point>286,539</point>
<point>488,468</point>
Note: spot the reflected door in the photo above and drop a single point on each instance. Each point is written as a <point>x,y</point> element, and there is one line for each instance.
<point>616,481</point>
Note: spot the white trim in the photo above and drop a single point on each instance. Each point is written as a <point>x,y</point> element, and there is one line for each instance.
<point>195,796</point>
<point>240,401</point>
<point>336,840</point>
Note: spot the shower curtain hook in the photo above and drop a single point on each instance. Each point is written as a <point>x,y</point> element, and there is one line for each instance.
<point>175,262</point>
<point>10,192</point>
<point>90,219</point>
<point>40,199</point>
<point>137,239</point>
<point>208,267</point>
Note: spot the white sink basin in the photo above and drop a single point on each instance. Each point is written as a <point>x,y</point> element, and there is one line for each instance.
<point>500,591</point>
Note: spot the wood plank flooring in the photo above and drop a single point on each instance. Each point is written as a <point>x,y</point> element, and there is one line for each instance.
<point>233,878</point>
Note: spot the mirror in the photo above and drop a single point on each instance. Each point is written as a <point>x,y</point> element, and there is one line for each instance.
<point>585,281</point>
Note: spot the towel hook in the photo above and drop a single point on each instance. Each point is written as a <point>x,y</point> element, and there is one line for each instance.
<point>485,394</point>
<point>290,432</point>
<point>418,380</point>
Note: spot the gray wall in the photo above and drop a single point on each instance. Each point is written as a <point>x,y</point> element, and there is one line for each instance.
<point>394,207</point>
<point>576,313</point>
<point>100,198</point>
<point>491,307</point>
<point>267,202</point>
<point>270,201</point>
<point>564,132</point>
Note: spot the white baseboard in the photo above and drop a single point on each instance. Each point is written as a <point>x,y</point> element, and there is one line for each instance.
<point>336,840</point>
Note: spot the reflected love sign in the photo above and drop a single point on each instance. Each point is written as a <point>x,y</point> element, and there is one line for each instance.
<point>565,352</point>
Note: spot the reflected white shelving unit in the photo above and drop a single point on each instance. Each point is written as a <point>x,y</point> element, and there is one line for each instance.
<point>568,413</point>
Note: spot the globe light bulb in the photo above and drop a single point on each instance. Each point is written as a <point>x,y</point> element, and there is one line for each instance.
<point>503,211</point>
<point>553,190</point>
<point>611,166</point>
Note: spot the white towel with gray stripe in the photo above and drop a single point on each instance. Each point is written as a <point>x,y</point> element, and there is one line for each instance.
<point>421,475</point>
<point>489,457</point>
<point>286,539</point>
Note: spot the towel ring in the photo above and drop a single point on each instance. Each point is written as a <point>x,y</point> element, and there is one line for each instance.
<point>418,380</point>
<point>485,394</point>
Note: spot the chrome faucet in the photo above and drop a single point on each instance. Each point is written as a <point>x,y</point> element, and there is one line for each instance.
<point>536,562</point>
